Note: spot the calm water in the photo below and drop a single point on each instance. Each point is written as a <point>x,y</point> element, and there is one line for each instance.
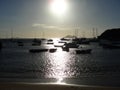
<point>101,67</point>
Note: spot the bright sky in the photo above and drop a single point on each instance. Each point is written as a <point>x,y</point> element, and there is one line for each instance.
<point>33,18</point>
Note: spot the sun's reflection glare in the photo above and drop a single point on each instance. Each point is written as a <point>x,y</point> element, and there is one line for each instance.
<point>60,81</point>
<point>58,69</point>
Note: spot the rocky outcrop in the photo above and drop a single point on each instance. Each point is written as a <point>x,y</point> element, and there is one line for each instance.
<point>111,35</point>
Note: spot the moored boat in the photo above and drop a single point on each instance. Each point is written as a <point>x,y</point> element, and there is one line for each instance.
<point>64,48</point>
<point>71,45</point>
<point>50,40</point>
<point>52,50</point>
<point>36,42</point>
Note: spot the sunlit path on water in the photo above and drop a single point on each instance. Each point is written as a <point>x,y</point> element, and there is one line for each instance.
<point>58,61</point>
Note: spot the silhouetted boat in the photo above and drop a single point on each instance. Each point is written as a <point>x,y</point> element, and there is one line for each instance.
<point>52,50</point>
<point>64,48</point>
<point>62,42</point>
<point>65,39</point>
<point>50,43</point>
<point>49,40</point>
<point>87,51</point>
<point>38,50</point>
<point>58,45</point>
<point>71,45</point>
<point>36,42</point>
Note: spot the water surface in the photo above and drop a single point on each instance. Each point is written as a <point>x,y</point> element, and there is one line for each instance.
<point>101,67</point>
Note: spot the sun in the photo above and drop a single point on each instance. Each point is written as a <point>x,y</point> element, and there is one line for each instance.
<point>58,7</point>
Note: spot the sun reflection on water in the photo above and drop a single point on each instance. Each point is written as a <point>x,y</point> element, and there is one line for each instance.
<point>60,80</point>
<point>59,62</point>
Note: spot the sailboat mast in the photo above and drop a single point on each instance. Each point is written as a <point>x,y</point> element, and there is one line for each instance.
<point>93,32</point>
<point>11,33</point>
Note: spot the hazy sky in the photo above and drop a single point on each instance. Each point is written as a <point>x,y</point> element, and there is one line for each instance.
<point>30,18</point>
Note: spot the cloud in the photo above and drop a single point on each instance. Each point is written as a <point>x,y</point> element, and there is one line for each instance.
<point>45,26</point>
<point>54,27</point>
<point>38,25</point>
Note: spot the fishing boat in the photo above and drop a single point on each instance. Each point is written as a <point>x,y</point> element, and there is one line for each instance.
<point>36,42</point>
<point>58,44</point>
<point>87,51</point>
<point>52,50</point>
<point>62,42</point>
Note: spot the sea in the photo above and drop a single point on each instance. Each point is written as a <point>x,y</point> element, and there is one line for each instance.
<point>100,68</point>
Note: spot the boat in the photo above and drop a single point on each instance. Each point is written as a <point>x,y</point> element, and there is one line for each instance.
<point>50,43</point>
<point>64,48</point>
<point>58,45</point>
<point>37,40</point>
<point>65,39</point>
<point>52,50</point>
<point>71,45</point>
<point>87,51</point>
<point>36,44</point>
<point>38,50</point>
<point>49,40</point>
<point>62,42</point>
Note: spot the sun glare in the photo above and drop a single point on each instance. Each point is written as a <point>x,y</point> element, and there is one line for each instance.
<point>58,7</point>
